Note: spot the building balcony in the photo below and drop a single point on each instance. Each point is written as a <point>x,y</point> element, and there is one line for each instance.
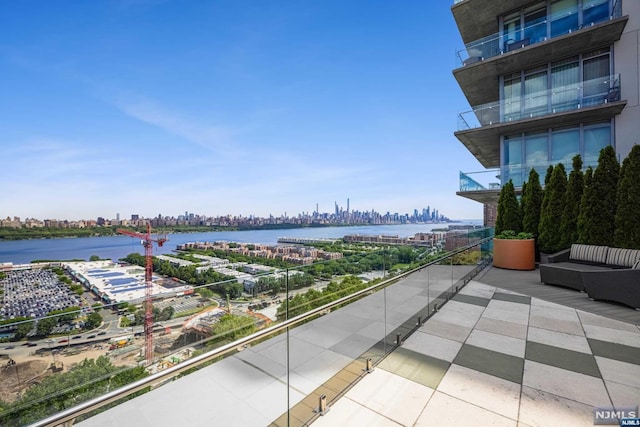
<point>484,186</point>
<point>452,339</point>
<point>481,128</point>
<point>484,60</point>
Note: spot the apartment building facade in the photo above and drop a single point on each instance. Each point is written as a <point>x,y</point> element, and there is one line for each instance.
<point>545,80</point>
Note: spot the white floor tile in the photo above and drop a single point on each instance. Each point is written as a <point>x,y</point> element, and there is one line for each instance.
<point>395,397</point>
<point>623,395</point>
<point>501,327</point>
<point>558,325</point>
<point>483,390</point>
<point>444,410</point>
<point>539,408</point>
<point>499,343</point>
<point>559,339</point>
<point>346,412</point>
<point>433,345</point>
<point>619,372</point>
<point>519,317</point>
<point>605,322</point>
<point>571,385</point>
<point>611,335</point>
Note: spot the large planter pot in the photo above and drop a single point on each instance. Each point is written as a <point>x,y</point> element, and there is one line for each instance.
<point>514,254</point>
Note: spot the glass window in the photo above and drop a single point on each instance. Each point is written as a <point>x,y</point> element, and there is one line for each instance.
<point>595,139</point>
<point>564,17</point>
<point>594,11</point>
<point>535,23</point>
<point>595,74</point>
<point>512,160</point>
<point>564,145</point>
<point>535,94</point>
<point>565,84</point>
<point>511,30</point>
<point>512,97</point>
<point>536,153</point>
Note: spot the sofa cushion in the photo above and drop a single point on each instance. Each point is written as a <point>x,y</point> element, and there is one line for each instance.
<point>589,253</point>
<point>623,257</point>
<point>636,266</point>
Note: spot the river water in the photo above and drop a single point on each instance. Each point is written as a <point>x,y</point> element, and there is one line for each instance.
<point>116,247</point>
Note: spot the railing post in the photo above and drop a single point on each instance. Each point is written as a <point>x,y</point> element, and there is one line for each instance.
<point>322,405</point>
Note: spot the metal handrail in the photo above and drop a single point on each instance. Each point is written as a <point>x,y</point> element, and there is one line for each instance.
<point>68,415</point>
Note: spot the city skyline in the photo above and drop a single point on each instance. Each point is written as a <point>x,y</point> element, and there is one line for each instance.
<point>229,108</point>
<point>424,214</point>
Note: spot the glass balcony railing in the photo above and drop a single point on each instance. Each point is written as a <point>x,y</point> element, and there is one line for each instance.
<point>551,101</point>
<point>554,25</point>
<point>330,323</point>
<point>492,179</point>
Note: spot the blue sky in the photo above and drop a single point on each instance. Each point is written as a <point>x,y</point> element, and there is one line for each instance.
<point>229,107</point>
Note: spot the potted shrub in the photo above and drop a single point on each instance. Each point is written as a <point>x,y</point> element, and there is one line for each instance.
<point>514,251</point>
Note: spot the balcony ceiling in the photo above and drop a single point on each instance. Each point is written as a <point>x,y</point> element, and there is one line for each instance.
<point>484,142</point>
<point>479,18</point>
<point>479,81</point>
<point>481,196</point>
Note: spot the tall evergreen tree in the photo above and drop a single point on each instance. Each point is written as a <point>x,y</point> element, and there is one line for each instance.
<point>549,232</point>
<point>600,203</point>
<point>571,212</point>
<point>584,205</point>
<point>627,223</point>
<point>508,210</point>
<point>532,203</point>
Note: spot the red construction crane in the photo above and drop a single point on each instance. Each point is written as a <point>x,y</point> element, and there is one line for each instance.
<point>147,242</point>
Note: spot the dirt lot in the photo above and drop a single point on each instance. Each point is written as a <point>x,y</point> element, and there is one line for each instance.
<point>34,368</point>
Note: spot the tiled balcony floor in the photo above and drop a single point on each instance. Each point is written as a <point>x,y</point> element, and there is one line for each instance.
<point>492,356</point>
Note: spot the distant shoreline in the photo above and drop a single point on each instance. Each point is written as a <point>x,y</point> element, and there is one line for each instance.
<point>47,233</point>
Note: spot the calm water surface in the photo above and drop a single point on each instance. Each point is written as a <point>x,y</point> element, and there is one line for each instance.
<point>116,247</point>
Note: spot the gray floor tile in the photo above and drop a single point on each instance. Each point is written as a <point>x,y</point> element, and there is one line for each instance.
<point>491,362</point>
<point>512,298</point>
<point>423,369</point>
<point>575,361</point>
<point>470,299</point>
<point>621,352</point>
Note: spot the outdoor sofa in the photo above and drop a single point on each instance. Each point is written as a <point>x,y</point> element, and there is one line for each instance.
<point>604,273</point>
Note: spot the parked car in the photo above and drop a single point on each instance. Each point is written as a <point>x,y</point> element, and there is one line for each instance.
<point>91,336</point>
<point>9,347</point>
<point>32,344</point>
<point>102,333</point>
<point>63,341</point>
<point>77,337</point>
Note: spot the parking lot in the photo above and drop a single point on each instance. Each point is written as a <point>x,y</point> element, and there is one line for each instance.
<point>181,304</point>
<point>34,293</point>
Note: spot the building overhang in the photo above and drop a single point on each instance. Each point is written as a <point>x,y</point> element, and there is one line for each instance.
<point>484,142</point>
<point>481,196</point>
<point>477,18</point>
<point>480,81</point>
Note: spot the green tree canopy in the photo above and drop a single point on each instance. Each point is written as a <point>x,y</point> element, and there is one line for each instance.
<point>627,219</point>
<point>598,205</point>
<point>575,188</point>
<point>553,202</point>
<point>531,204</point>
<point>508,210</point>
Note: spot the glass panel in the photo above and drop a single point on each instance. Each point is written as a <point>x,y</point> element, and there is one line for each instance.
<point>564,17</point>
<point>512,160</point>
<point>564,145</point>
<point>595,139</point>
<point>565,87</point>
<point>535,27</point>
<point>536,152</point>
<point>511,30</point>
<point>535,92</point>
<point>512,96</point>
<point>595,11</point>
<point>596,78</point>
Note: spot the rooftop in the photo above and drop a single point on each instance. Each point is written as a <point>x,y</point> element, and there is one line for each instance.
<point>505,349</point>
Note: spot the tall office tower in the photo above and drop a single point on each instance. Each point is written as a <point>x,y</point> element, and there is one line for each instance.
<point>546,80</point>
<point>347,206</point>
